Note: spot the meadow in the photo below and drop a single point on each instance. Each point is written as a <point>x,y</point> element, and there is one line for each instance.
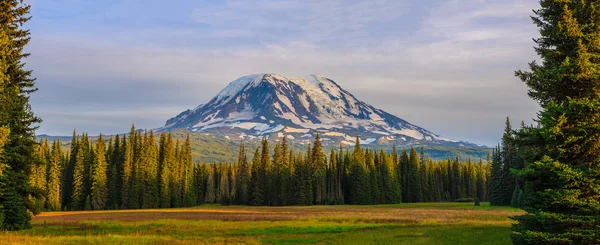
<point>420,223</point>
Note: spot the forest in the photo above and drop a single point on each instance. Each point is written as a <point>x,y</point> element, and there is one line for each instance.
<point>144,170</point>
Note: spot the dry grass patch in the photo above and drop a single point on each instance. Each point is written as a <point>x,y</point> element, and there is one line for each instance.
<point>417,223</point>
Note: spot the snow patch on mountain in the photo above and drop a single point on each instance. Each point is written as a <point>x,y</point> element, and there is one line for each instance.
<point>265,104</point>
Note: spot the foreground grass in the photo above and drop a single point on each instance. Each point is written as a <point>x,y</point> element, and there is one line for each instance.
<point>423,223</point>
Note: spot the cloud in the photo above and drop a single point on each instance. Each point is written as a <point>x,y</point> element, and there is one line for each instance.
<point>449,68</point>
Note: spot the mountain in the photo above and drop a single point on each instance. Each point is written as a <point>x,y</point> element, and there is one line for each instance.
<point>272,105</point>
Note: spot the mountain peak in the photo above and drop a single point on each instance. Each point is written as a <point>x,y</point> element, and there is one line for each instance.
<point>298,107</point>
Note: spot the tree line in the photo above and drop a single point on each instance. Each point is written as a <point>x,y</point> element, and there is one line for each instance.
<point>143,170</point>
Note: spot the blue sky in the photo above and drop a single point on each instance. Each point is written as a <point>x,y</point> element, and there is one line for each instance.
<point>445,65</point>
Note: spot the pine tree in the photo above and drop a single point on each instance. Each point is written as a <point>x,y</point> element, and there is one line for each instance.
<point>243,177</point>
<point>256,182</point>
<point>38,176</point>
<point>224,192</point>
<point>54,181</point>
<point>480,181</point>
<point>67,174</point>
<point>509,159</point>
<point>319,171</point>
<point>265,178</point>
<point>497,180</point>
<point>414,178</point>
<point>211,186</point>
<point>127,174</point>
<point>99,188</point>
<point>117,169</point>
<point>563,161</point>
<point>112,159</point>
<point>404,173</point>
<point>165,163</point>
<point>149,169</point>
<point>78,196</point>
<point>187,173</point>
<point>17,118</point>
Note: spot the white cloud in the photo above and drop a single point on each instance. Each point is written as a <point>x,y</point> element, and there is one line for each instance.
<point>453,75</point>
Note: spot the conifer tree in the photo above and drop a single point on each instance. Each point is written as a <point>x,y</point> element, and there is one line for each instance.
<point>127,174</point>
<point>242,177</point>
<point>414,177</point>
<point>67,174</point>
<point>277,175</point>
<point>38,176</point>
<point>117,171</point>
<point>17,118</point>
<point>319,171</point>
<point>563,161</point>
<point>404,173</point>
<point>149,168</point>
<point>211,186</point>
<point>509,158</point>
<point>497,180</point>
<point>99,188</point>
<point>166,161</point>
<point>78,196</point>
<point>256,183</point>
<point>54,182</point>
<point>187,176</point>
<point>480,181</point>
<point>200,181</point>
<point>224,195</point>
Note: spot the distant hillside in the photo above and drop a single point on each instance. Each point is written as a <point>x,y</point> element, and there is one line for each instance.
<point>214,148</point>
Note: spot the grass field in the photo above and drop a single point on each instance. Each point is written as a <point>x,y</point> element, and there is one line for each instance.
<point>423,223</point>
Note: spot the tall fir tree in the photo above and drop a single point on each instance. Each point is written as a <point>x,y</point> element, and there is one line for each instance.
<point>256,183</point>
<point>563,161</point>
<point>78,195</point>
<point>319,166</point>
<point>54,177</point>
<point>414,177</point>
<point>243,177</point>
<point>99,188</point>
<point>497,179</point>
<point>16,117</point>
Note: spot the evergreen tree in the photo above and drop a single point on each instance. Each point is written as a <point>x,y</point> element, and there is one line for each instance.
<point>78,196</point>
<point>414,177</point>
<point>496,183</point>
<point>211,186</point>
<point>257,189</point>
<point>187,174</point>
<point>54,181</point>
<point>17,118</point>
<point>67,174</point>
<point>165,163</point>
<point>127,174</point>
<point>509,158</point>
<point>242,177</point>
<point>149,169</point>
<point>563,161</point>
<point>319,171</point>
<point>99,188</point>
<point>224,195</point>
<point>480,181</point>
<point>403,164</point>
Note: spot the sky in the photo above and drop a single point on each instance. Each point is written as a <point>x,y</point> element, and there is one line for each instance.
<point>445,65</point>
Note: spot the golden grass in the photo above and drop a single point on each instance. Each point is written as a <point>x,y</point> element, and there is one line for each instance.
<point>417,223</point>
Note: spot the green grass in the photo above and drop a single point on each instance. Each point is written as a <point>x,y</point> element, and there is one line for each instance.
<point>429,223</point>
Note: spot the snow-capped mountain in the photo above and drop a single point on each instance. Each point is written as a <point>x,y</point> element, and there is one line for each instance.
<point>298,107</point>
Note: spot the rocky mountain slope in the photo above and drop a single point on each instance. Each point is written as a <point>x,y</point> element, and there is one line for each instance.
<point>271,105</point>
